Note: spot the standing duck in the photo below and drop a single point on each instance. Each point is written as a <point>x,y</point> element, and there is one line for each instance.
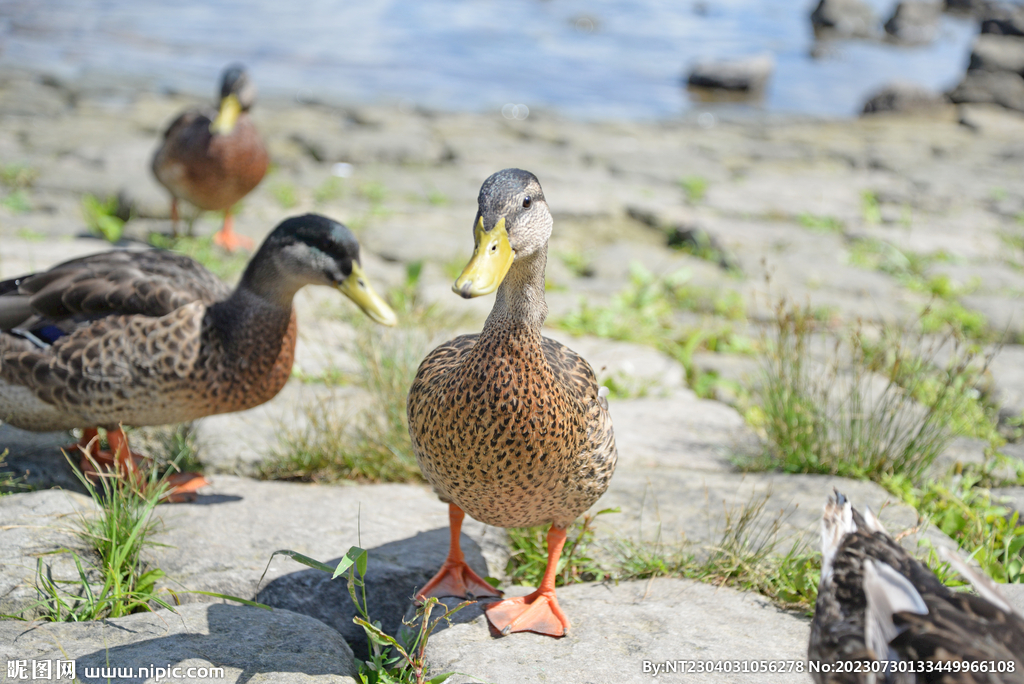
<point>507,425</point>
<point>877,605</point>
<point>152,337</point>
<point>212,159</point>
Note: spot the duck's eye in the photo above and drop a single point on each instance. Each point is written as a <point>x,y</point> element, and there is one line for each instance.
<point>494,247</point>
<point>527,202</point>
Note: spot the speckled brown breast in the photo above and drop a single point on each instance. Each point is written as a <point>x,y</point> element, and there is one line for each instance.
<point>509,426</point>
<point>213,172</point>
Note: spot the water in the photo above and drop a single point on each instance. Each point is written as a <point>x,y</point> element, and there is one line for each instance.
<point>597,59</point>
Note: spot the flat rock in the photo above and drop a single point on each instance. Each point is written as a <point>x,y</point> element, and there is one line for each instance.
<point>995,52</point>
<point>223,542</point>
<point>36,459</point>
<point>903,98</point>
<point>914,22</point>
<point>745,75</point>
<point>1007,372</point>
<point>616,629</point>
<point>1003,88</point>
<point>670,506</point>
<point>1014,593</point>
<point>250,644</point>
<point>681,431</point>
<point>32,526</point>
<point>852,18</point>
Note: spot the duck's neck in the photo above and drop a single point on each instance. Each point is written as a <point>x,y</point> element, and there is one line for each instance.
<point>520,304</point>
<point>255,318</point>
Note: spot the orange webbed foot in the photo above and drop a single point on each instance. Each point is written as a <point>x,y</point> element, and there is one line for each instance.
<point>456,578</point>
<point>537,612</point>
<point>231,241</point>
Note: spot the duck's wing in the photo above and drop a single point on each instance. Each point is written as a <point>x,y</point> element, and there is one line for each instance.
<point>54,303</point>
<point>598,454</point>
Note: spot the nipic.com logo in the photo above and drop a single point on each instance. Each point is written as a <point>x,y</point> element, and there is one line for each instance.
<point>53,670</point>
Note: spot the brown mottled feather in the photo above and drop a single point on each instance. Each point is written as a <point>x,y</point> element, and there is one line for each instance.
<point>957,626</point>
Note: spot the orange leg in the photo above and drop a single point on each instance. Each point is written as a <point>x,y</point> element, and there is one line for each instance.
<point>174,216</point>
<point>228,238</point>
<point>455,578</point>
<point>120,459</point>
<point>537,612</point>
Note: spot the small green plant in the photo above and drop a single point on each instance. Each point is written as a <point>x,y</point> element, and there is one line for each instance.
<point>623,386</point>
<point>991,533</point>
<point>391,660</point>
<point>529,557</point>
<point>870,208</point>
<point>436,198</point>
<point>856,414</point>
<point>941,314</point>
<point>9,482</point>
<point>578,262</point>
<point>17,179</point>
<point>101,217</point>
<point>225,265</point>
<point>285,194</point>
<point>821,224</point>
<point>117,583</point>
<point>694,187</point>
<point>332,189</point>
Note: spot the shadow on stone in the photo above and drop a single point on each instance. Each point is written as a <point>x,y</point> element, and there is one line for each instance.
<point>37,460</point>
<point>214,499</point>
<point>252,645</point>
<point>394,572</point>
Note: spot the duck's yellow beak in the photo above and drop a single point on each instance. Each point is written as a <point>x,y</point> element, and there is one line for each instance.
<point>357,288</point>
<point>491,260</point>
<point>227,116</point>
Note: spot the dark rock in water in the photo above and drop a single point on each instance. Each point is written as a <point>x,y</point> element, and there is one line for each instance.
<point>990,87</point>
<point>744,75</point>
<point>993,52</point>
<point>914,21</point>
<point>849,18</point>
<point>903,98</point>
<point>976,7</point>
<point>1003,20</point>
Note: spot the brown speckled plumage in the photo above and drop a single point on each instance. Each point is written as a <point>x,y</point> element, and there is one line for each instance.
<point>508,425</point>
<point>153,338</point>
<point>945,626</point>
<point>211,170</point>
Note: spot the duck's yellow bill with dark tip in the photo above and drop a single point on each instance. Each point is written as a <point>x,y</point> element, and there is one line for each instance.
<point>491,260</point>
<point>357,288</point>
<point>227,116</point>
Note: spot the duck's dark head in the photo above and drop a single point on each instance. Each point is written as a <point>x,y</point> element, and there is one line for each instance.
<point>314,250</point>
<point>237,95</point>
<point>512,223</point>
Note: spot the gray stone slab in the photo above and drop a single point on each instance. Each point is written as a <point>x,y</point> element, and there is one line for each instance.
<point>1007,371</point>
<point>249,644</point>
<point>617,628</point>
<point>681,431</point>
<point>223,542</point>
<point>33,525</point>
<point>1014,593</point>
<point>674,506</point>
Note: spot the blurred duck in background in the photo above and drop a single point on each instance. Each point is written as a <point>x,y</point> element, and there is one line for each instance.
<point>214,158</point>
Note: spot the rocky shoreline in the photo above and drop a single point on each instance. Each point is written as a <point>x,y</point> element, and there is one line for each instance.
<point>719,204</point>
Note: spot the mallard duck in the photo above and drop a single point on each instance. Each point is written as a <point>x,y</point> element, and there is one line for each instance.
<point>152,337</point>
<point>878,603</point>
<point>212,159</point>
<point>509,426</point>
